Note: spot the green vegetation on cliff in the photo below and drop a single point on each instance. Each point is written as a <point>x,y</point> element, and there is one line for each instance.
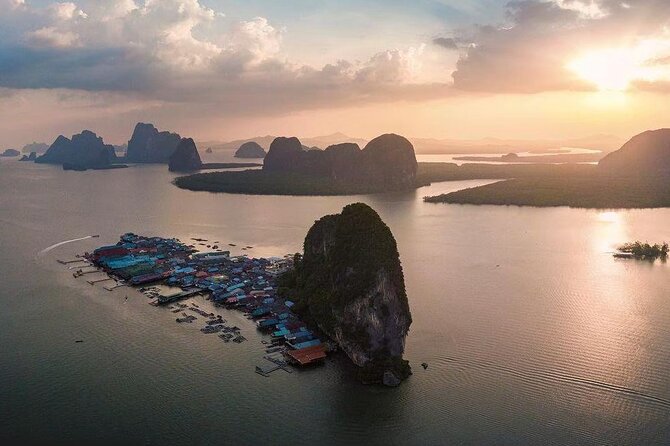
<point>350,283</point>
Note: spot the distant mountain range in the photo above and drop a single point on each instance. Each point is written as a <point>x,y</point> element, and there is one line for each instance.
<point>605,143</point>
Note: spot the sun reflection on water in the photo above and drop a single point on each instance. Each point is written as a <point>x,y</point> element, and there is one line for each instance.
<point>612,231</point>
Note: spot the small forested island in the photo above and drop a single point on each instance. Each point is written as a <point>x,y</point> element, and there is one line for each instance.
<point>250,149</point>
<point>387,163</point>
<point>635,176</point>
<point>643,251</point>
<point>349,282</point>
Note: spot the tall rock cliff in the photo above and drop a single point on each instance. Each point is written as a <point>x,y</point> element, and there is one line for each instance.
<point>284,155</point>
<point>389,160</point>
<point>148,145</point>
<point>84,150</point>
<point>387,163</point>
<point>350,283</point>
<point>341,159</point>
<point>186,157</point>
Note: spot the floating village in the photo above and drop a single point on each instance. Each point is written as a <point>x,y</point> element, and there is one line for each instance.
<point>155,264</point>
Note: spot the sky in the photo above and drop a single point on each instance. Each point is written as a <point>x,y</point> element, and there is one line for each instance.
<point>225,69</point>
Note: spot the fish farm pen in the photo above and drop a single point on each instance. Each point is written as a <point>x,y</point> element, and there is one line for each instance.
<point>233,282</point>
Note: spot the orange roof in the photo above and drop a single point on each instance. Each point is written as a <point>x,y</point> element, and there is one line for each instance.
<point>307,355</point>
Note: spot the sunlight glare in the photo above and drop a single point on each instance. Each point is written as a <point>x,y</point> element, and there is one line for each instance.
<point>615,69</point>
<point>611,69</point>
<point>609,217</point>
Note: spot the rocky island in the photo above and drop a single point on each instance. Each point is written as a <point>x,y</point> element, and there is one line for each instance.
<point>387,163</point>
<point>349,282</point>
<point>250,149</point>
<point>85,150</point>
<point>148,145</point>
<point>10,153</point>
<point>185,158</point>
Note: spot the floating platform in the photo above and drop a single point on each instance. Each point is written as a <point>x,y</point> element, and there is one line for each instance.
<point>266,369</point>
<point>163,300</point>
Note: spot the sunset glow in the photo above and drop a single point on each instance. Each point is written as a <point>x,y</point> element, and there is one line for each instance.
<point>612,69</point>
<point>226,70</point>
<point>616,69</point>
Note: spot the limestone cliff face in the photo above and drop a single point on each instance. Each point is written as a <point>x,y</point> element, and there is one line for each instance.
<point>284,155</point>
<point>389,160</point>
<point>185,158</point>
<point>341,159</point>
<point>350,283</point>
<point>148,145</point>
<point>386,163</point>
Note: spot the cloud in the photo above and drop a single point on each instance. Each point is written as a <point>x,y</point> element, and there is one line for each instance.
<point>257,38</point>
<point>586,8</point>
<point>532,50</point>
<point>51,37</point>
<point>13,4</point>
<point>67,11</point>
<point>449,43</point>
<point>180,51</point>
<point>392,66</point>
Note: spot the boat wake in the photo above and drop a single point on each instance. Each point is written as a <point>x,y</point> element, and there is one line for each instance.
<point>46,250</point>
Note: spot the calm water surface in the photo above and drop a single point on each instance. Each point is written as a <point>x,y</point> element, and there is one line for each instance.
<point>533,333</point>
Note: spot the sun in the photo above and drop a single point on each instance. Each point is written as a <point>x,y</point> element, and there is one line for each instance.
<point>610,69</point>
<point>616,69</point>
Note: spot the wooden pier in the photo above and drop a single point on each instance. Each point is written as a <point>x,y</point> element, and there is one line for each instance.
<point>274,365</point>
<point>93,282</point>
<point>65,262</point>
<point>117,285</point>
<point>80,273</point>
